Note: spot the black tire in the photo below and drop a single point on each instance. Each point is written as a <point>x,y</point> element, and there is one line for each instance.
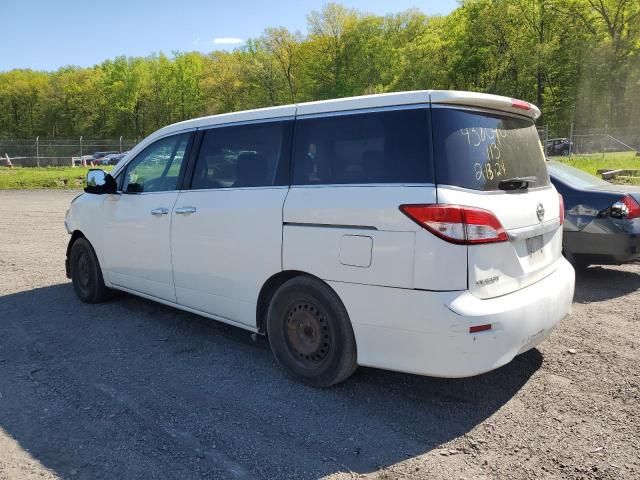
<point>581,266</point>
<point>578,264</point>
<point>310,332</point>
<point>86,275</point>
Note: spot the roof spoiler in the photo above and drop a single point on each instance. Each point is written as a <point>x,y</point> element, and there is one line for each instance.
<point>485,100</point>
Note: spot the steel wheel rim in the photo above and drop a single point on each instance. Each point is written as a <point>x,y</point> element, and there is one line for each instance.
<point>83,271</point>
<point>308,333</point>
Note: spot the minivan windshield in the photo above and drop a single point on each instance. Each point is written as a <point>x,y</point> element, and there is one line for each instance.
<point>478,149</point>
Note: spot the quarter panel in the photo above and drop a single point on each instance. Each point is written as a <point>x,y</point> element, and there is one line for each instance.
<point>318,217</point>
<point>375,206</point>
<point>317,250</point>
<point>439,265</point>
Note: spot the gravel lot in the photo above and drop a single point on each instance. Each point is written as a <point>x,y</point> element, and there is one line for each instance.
<point>132,389</point>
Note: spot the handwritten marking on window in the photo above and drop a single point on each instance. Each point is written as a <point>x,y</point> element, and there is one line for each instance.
<point>489,140</point>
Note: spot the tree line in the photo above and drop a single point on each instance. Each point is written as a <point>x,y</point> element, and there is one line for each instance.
<point>578,60</point>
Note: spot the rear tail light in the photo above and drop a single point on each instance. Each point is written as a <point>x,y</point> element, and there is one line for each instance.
<point>561,209</point>
<point>457,223</point>
<point>627,207</point>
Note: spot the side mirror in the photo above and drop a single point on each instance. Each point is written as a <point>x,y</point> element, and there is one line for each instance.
<point>100,182</point>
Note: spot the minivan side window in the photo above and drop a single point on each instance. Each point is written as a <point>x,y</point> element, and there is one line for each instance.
<point>157,168</point>
<point>390,146</point>
<point>250,155</point>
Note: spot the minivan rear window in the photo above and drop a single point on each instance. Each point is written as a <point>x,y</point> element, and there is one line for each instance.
<point>477,150</point>
<point>390,146</point>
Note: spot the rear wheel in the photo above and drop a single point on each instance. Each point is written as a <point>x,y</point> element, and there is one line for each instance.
<point>310,332</point>
<point>86,275</point>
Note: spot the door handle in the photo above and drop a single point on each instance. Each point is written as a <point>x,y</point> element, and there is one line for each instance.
<point>183,210</point>
<point>160,211</point>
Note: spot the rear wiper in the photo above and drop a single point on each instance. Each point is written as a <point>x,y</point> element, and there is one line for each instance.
<point>516,183</point>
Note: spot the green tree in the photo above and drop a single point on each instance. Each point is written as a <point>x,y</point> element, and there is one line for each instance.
<point>579,60</point>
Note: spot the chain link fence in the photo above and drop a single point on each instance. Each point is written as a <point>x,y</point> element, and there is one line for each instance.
<point>65,152</point>
<point>68,152</point>
<point>590,141</point>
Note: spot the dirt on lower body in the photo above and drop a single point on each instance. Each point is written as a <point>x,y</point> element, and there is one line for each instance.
<point>133,389</point>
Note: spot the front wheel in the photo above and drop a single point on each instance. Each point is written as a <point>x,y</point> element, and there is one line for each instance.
<point>86,275</point>
<point>310,332</point>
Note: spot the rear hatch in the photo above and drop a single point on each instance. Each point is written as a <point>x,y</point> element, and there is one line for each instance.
<point>488,157</point>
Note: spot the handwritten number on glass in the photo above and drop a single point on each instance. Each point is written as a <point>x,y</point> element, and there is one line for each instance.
<point>494,166</point>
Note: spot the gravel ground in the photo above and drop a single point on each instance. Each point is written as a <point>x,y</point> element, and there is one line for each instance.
<point>132,389</point>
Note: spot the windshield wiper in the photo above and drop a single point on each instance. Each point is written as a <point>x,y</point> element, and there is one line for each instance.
<point>516,183</point>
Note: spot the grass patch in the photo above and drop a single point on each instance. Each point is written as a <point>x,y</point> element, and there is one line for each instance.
<point>67,178</point>
<point>592,163</point>
<point>73,178</point>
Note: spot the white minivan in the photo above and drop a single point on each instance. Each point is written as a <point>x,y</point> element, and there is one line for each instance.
<point>413,231</point>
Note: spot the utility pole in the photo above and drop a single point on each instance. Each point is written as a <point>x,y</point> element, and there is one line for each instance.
<point>571,140</point>
<point>606,138</point>
<point>38,150</point>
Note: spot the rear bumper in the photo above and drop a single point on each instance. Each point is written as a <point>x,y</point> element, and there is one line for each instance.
<point>606,244</point>
<point>607,259</point>
<point>427,333</point>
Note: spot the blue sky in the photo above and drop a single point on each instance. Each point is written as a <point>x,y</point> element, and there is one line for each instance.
<point>48,34</point>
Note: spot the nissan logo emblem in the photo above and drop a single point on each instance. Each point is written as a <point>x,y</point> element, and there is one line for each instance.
<point>540,212</point>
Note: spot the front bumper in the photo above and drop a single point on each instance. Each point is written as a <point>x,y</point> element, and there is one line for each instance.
<point>427,333</point>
